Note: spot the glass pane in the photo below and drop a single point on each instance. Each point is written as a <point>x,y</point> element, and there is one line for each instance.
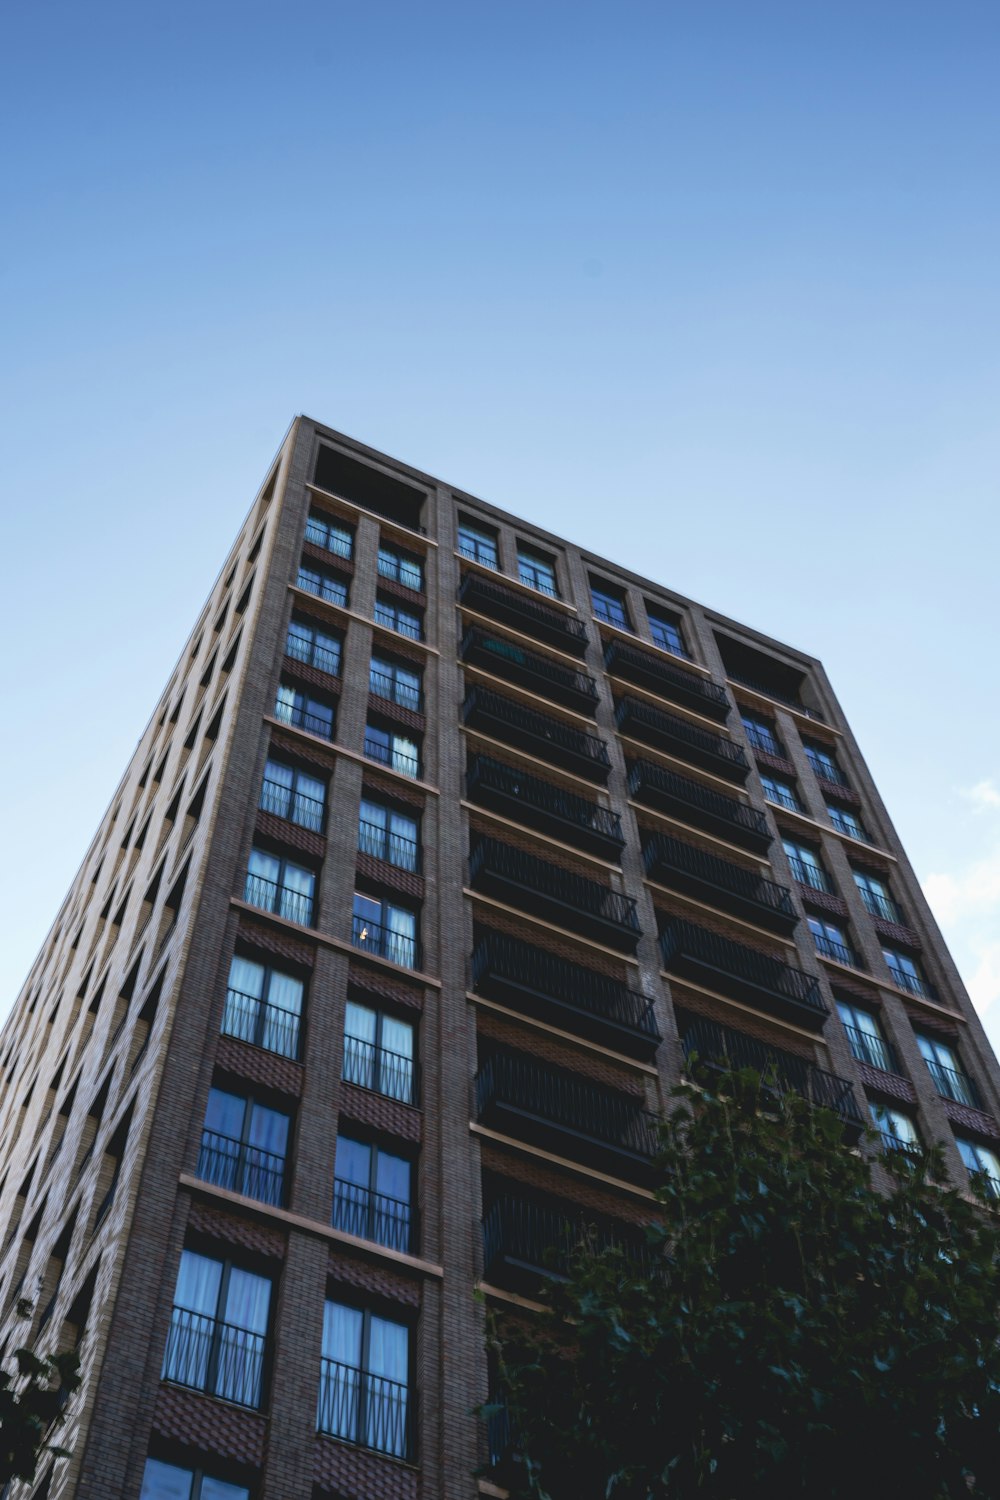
<point>359,1022</point>
<point>218,1489</point>
<point>165,1482</point>
<point>353,1162</point>
<point>265,866</point>
<point>198,1282</point>
<point>342,1332</point>
<point>246,977</point>
<point>225,1114</point>
<point>247,1301</point>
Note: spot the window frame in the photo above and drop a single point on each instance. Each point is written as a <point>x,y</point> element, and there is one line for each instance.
<point>762,734</point>
<point>392,562</point>
<point>395,759</point>
<point>605,600</point>
<point>785,794</point>
<point>375,1065</point>
<point>198,1477</point>
<point>404,695</point>
<point>295,796</point>
<point>262,1020</point>
<point>390,938</point>
<point>481,537</point>
<point>318,522</point>
<point>533,564</point>
<point>385,853</point>
<point>332,647</point>
<point>401,1239</point>
<point>391,615</point>
<point>296,715</point>
<point>659,621</point>
<point>218,1321</point>
<point>243,1164</point>
<point>280,888</point>
<point>331,585</point>
<point>805,858</point>
<point>363,1370</point>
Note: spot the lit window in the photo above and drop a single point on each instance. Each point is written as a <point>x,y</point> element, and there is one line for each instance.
<point>243,1147</point>
<point>293,795</point>
<point>537,571</point>
<point>371,1194</point>
<point>263,1007</point>
<point>385,929</point>
<point>364,1380</point>
<point>401,567</point>
<point>378,1052</point>
<point>218,1329</point>
<point>388,835</point>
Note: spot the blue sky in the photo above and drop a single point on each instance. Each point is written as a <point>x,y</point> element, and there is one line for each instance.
<point>709,287</point>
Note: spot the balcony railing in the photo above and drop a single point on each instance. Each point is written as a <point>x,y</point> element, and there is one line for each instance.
<point>545,738</point>
<point>743,973</point>
<point>487,596</point>
<point>874,1050</point>
<point>718,1045</point>
<point>250,1019</point>
<point>539,674</point>
<point>216,1357</point>
<point>523,1241</point>
<point>622,659</point>
<point>881,906</point>
<point>951,1083</point>
<point>581,1000</point>
<point>321,657</point>
<point>780,798</point>
<point>544,889</point>
<point>369,1410</point>
<point>914,984</point>
<point>241,1168</point>
<point>826,770</point>
<point>545,1105</point>
<point>372,1216</point>
<point>685,868</point>
<point>302,718</point>
<point>540,804</point>
<point>693,803</point>
<point>407,763</point>
<point>377,938</point>
<point>320,536</point>
<point>269,896</point>
<point>852,829</point>
<point>376,1068</point>
<point>486,557</point>
<point>809,874</point>
<point>297,807</point>
<point>382,843</point>
<point>404,694</point>
<point>654,726</point>
<point>840,953</point>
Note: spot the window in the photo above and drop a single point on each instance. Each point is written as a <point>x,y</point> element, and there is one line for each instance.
<point>875,895</point>
<point>315,647</point>
<point>807,868</point>
<point>293,706</point>
<point>944,1067</point>
<point>609,605</point>
<point>398,683</point>
<point>831,941</point>
<point>666,632</point>
<point>323,584</point>
<point>278,886</point>
<point>371,1194</point>
<point>401,567</point>
<point>378,1053</point>
<point>388,835</point>
<point>897,1129</point>
<point>218,1329</point>
<point>762,736</point>
<point>333,535</point>
<point>391,749</point>
<point>782,793</point>
<point>537,570</point>
<point>385,929</point>
<point>980,1160</point>
<point>398,618</point>
<point>823,762</point>
<point>847,822</point>
<point>363,1379</point>
<point>263,1006</point>
<point>166,1482</point>
<point>243,1146</point>
<point>293,795</point>
<point>905,972</point>
<point>478,543</point>
<point>865,1036</point>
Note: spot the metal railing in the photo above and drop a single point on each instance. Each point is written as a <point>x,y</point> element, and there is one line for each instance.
<point>632,712</point>
<point>490,856</point>
<point>891,1142</point>
<point>714,808</point>
<point>914,984</point>
<point>370,1066</point>
<point>513,661</point>
<point>390,620</point>
<point>881,906</point>
<point>953,1084</point>
<point>543,733</point>
<point>471,551</point>
<point>780,798</point>
<point>806,873</point>
<point>323,658</point>
<point>388,755</point>
<point>767,691</point>
<point>387,685</point>
<point>532,792</point>
<point>663,676</point>
<point>853,830</point>
<point>840,953</point>
<point>267,895</point>
<point>369,1410</point>
<point>372,1216</point>
<point>330,589</point>
<point>873,1050</point>
<point>532,579</point>
<point>241,1168</point>
<point>518,609</point>
<point>586,990</point>
<point>250,1019</point>
<point>532,1088</point>
<point>395,848</point>
<point>825,770</point>
<point>718,1045</point>
<point>208,1355</point>
<point>296,806</point>
<point>301,718</point>
<point>545,1238</point>
<point>763,739</point>
<point>322,536</point>
<point>681,940</point>
<point>377,938</point>
<point>665,853</point>
<point>408,572</point>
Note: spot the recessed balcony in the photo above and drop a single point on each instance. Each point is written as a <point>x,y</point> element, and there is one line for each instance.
<point>524,1241</point>
<point>546,890</point>
<point>545,738</point>
<point>540,804</point>
<point>729,968</point>
<point>681,867</point>
<point>538,984</point>
<point>654,726</point>
<point>691,802</point>
<point>564,1113</point>
<point>487,596</point>
<point>539,674</point>
<point>624,660</point>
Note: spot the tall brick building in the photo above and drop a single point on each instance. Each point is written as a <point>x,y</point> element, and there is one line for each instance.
<point>444,843</point>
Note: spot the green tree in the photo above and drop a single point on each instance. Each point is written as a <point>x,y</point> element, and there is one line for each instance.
<point>33,1396</point>
<point>795,1332</point>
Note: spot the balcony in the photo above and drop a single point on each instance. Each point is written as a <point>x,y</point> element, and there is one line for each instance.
<point>527,799</point>
<point>719,964</point>
<point>369,1410</point>
<point>547,739</point>
<point>536,983</point>
<point>690,802</point>
<point>674,736</point>
<point>368,1215</point>
<point>546,890</point>
<point>767,690</point>
<point>538,674</point>
<point>523,1242</point>
<point>487,596</point>
<point>953,1084</point>
<point>250,1019</point>
<point>208,1355</point>
<point>681,867</point>
<point>721,1046</point>
<point>241,1168</point>
<point>383,942</point>
<point>563,1113</point>
<point>622,659</point>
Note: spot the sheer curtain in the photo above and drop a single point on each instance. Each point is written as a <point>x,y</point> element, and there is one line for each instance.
<point>192,1324</point>
<point>340,1385</point>
<point>240,1368</point>
<point>388,1368</point>
<point>359,1045</point>
<point>396,1071</point>
<point>246,989</point>
<point>277,795</point>
<point>281,1018</point>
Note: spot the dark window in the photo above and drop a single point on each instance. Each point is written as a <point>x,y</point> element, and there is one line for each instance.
<point>218,1330</point>
<point>666,631</point>
<point>761,735</point>
<point>609,604</point>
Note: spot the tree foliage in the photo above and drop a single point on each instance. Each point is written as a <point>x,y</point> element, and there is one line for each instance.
<point>795,1332</point>
<point>33,1396</point>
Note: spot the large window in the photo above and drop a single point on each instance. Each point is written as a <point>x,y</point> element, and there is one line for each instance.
<point>293,706</point>
<point>278,886</point>
<point>388,835</point>
<point>946,1070</point>
<point>761,735</point>
<point>831,941</point>
<point>391,749</point>
<point>609,604</point>
<point>981,1162</point>
<point>666,632</point>
<point>364,1380</point>
<point>781,793</point>
<point>162,1481</point>
<point>905,972</point>
<point>875,895</point>
<point>371,1194</point>
<point>323,584</point>
<point>292,794</point>
<point>315,647</point>
<point>865,1036</point>
<point>333,535</point>
<point>537,570</point>
<point>806,865</point>
<point>824,762</point>
<point>402,619</point>
<point>218,1329</point>
<point>385,929</point>
<point>898,1131</point>
<point>243,1147</point>
<point>401,567</point>
<point>478,543</point>
<point>263,1007</point>
<point>378,1052</point>
<point>848,823</point>
<point>395,681</point>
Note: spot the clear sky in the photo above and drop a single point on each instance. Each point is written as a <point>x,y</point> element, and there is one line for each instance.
<point>710,286</point>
